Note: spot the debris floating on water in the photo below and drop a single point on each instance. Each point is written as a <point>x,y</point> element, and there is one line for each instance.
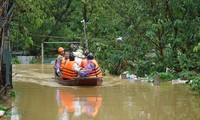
<point>178,81</point>
<point>2,113</point>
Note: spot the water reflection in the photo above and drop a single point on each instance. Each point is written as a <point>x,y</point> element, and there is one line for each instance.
<point>15,115</point>
<point>73,104</point>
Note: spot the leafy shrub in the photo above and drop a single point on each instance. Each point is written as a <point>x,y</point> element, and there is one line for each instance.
<point>163,76</point>
<point>150,77</point>
<point>12,93</point>
<point>2,107</point>
<point>195,83</point>
<point>142,68</point>
<point>6,109</point>
<point>15,60</point>
<point>166,76</point>
<point>186,75</point>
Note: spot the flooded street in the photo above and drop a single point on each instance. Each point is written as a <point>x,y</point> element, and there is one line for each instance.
<point>40,97</point>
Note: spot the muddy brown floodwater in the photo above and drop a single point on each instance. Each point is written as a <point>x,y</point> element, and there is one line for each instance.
<point>40,97</point>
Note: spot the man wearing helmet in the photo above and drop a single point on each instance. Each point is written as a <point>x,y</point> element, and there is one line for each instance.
<point>59,60</point>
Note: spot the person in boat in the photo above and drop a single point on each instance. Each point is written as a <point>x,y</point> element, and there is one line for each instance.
<point>70,69</point>
<point>59,60</point>
<point>78,56</point>
<point>91,68</point>
<point>84,61</point>
<point>65,59</point>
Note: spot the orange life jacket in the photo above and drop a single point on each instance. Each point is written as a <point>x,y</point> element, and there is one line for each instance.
<point>68,71</point>
<point>83,63</point>
<point>63,63</point>
<point>97,71</point>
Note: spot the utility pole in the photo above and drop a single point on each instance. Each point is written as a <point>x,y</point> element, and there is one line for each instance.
<point>84,21</point>
<point>85,34</point>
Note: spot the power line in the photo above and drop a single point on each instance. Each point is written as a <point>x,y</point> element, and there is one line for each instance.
<point>49,36</point>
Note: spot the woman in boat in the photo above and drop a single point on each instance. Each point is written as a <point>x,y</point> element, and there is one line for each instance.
<point>84,61</point>
<point>91,68</point>
<point>70,69</point>
<point>59,60</point>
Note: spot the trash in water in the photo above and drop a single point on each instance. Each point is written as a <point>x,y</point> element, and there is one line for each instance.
<point>127,75</point>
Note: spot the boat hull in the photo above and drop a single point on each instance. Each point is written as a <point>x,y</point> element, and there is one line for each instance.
<point>85,81</point>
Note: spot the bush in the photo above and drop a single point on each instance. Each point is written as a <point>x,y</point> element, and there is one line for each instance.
<point>3,107</point>
<point>195,83</point>
<point>15,60</point>
<point>166,76</point>
<point>186,75</point>
<point>12,93</point>
<point>163,76</point>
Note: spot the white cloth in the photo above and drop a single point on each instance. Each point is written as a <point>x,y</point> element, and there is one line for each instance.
<point>78,56</point>
<point>76,67</point>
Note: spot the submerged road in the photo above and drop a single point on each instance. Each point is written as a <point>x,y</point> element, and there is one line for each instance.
<point>40,97</point>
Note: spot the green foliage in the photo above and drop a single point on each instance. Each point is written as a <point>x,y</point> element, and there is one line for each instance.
<point>166,76</point>
<point>171,29</point>
<point>112,58</point>
<point>34,60</point>
<point>150,76</point>
<point>163,76</point>
<point>15,60</point>
<point>197,48</point>
<point>187,75</point>
<point>3,107</point>
<point>143,67</point>
<point>39,21</point>
<point>12,93</point>
<point>195,83</point>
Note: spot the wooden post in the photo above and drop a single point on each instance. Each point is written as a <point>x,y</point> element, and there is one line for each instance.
<point>42,47</point>
<point>156,79</point>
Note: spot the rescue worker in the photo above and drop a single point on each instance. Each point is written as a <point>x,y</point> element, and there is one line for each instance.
<point>70,69</point>
<point>59,60</point>
<point>91,69</point>
<point>65,59</point>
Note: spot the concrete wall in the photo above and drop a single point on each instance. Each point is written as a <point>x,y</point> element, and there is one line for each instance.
<point>25,59</point>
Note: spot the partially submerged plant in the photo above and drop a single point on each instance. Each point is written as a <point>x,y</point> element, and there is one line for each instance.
<point>5,110</point>
<point>195,84</point>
